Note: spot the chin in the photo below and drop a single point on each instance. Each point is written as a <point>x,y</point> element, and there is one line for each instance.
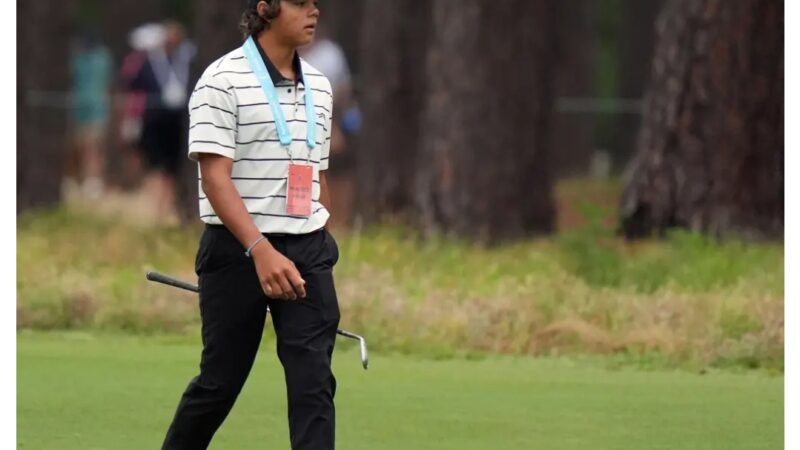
<point>305,40</point>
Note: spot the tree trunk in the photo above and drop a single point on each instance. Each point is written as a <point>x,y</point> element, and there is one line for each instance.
<point>217,22</point>
<point>710,153</point>
<point>571,139</point>
<point>42,75</point>
<point>344,19</point>
<point>392,95</point>
<point>483,171</point>
<point>636,44</point>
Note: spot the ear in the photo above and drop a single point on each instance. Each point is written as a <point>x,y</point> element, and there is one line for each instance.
<point>262,8</point>
<point>268,9</point>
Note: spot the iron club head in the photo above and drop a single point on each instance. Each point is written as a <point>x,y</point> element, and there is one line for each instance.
<point>362,343</point>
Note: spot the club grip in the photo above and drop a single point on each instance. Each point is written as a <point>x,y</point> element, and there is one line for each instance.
<point>169,281</point>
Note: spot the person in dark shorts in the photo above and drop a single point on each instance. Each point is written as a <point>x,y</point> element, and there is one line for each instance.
<point>164,78</point>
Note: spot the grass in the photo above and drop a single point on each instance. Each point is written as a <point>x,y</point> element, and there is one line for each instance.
<point>683,301</point>
<point>89,391</point>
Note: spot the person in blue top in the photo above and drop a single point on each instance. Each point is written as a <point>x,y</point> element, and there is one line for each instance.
<point>91,67</point>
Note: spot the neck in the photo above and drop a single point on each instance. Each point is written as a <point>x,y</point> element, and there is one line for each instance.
<point>281,55</point>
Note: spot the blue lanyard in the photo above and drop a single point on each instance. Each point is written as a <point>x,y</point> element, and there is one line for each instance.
<point>257,64</point>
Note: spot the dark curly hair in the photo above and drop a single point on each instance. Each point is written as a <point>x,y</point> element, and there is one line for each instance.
<point>252,23</point>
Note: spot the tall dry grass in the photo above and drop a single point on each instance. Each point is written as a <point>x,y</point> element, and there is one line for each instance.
<point>682,301</point>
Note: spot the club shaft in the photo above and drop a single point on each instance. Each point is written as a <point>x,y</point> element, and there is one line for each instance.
<point>169,281</point>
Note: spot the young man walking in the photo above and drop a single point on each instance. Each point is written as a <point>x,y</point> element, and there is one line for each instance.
<point>260,131</point>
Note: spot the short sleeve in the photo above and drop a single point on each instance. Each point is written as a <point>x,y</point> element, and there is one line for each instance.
<point>325,155</point>
<point>212,119</point>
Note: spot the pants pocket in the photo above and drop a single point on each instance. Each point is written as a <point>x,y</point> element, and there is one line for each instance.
<point>203,251</point>
<point>306,318</point>
<point>333,247</point>
<point>223,251</point>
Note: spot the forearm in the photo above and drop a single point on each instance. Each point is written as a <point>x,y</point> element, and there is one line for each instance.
<point>230,208</point>
<point>278,275</point>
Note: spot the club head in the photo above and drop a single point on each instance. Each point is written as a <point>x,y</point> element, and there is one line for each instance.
<point>364,358</point>
<point>362,344</point>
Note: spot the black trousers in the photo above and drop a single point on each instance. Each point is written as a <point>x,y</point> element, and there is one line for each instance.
<point>233,311</point>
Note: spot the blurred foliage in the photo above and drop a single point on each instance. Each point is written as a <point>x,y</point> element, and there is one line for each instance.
<point>691,261</point>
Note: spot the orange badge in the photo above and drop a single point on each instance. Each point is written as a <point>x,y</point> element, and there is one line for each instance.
<point>298,191</point>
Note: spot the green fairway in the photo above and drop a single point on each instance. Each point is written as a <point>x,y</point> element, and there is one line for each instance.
<point>83,391</point>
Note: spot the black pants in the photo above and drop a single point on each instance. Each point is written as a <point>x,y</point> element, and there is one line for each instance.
<point>233,310</point>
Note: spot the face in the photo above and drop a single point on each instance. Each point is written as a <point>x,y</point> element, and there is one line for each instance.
<point>174,36</point>
<point>297,21</point>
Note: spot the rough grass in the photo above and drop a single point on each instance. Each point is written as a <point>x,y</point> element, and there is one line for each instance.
<point>681,301</point>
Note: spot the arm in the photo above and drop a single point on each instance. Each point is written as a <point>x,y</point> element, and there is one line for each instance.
<point>278,275</point>
<point>212,143</point>
<point>215,171</point>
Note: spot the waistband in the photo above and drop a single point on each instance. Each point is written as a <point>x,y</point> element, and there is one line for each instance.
<point>223,228</point>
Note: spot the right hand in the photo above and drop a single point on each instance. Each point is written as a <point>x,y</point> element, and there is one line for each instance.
<point>279,277</point>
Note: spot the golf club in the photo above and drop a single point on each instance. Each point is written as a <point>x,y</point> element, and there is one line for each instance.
<point>169,281</point>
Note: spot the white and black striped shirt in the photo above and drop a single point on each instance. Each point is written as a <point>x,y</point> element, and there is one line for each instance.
<point>231,116</point>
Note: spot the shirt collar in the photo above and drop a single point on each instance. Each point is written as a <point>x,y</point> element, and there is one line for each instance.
<point>274,73</point>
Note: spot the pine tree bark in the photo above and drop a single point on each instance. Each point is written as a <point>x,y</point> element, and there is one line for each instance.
<point>392,96</point>
<point>344,19</point>
<point>636,46</point>
<point>483,170</point>
<point>42,116</point>
<point>217,22</point>
<point>710,153</point>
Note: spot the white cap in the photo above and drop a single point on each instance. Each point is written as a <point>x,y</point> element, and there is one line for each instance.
<point>147,37</point>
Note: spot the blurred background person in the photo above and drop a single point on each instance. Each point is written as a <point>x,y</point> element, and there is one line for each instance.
<point>328,57</point>
<point>142,39</point>
<point>163,77</point>
<point>91,67</point>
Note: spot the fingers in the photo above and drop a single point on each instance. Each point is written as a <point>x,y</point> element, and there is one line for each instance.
<point>271,289</point>
<point>283,281</point>
<point>298,283</point>
<point>267,288</point>
<point>286,287</point>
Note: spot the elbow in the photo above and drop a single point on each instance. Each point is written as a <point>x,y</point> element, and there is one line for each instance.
<point>215,174</point>
<point>211,183</point>
<point>206,185</point>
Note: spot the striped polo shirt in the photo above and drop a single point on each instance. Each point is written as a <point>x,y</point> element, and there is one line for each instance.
<point>231,116</point>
